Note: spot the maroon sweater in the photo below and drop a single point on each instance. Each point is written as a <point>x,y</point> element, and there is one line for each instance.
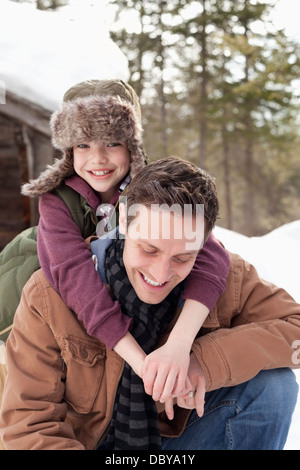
<point>68,266</point>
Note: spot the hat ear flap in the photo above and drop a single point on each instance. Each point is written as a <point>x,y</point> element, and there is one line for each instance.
<point>138,160</point>
<point>52,177</point>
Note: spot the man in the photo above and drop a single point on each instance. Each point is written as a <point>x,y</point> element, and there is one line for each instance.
<point>66,390</point>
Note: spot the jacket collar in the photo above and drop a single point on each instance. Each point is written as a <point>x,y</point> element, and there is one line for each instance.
<point>91,196</point>
<point>99,248</point>
<point>83,188</point>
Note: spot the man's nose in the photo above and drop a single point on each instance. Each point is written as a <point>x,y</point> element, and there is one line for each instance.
<point>160,271</point>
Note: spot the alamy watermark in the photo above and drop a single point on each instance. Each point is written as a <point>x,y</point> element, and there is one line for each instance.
<point>2,353</point>
<point>2,92</point>
<point>158,221</point>
<point>296,354</point>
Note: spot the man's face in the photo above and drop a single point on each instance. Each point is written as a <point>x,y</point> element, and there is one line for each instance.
<point>157,252</point>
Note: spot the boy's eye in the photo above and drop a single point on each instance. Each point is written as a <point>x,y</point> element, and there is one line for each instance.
<point>113,144</point>
<point>82,146</point>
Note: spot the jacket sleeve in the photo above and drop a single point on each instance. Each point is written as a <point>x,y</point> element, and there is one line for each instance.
<point>67,264</point>
<point>261,333</point>
<point>207,280</point>
<point>32,412</point>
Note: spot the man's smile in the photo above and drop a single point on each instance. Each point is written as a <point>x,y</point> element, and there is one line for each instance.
<point>151,282</point>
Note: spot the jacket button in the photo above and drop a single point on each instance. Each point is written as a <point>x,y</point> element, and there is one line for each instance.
<point>83,353</point>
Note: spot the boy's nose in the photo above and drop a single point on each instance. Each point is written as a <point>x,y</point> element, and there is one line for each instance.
<point>99,154</point>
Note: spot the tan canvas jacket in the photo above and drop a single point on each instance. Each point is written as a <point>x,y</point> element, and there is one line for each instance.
<point>61,382</point>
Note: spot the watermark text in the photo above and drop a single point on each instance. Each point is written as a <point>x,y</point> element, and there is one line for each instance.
<point>296,354</point>
<point>2,92</point>
<point>158,221</point>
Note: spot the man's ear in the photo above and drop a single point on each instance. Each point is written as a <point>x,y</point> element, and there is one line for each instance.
<point>122,218</point>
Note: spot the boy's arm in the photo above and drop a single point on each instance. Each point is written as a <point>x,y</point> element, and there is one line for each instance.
<point>207,280</point>
<point>165,370</point>
<point>131,352</point>
<point>170,357</point>
<point>189,323</point>
<point>67,264</point>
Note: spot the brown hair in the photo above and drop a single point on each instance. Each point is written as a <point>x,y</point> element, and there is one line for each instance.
<point>173,180</point>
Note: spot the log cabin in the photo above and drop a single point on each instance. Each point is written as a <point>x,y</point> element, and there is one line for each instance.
<point>25,150</point>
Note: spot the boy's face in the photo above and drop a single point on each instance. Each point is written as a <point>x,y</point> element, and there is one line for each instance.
<point>156,256</point>
<point>102,166</point>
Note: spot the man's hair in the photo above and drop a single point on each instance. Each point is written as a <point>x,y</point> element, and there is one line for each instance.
<point>173,180</point>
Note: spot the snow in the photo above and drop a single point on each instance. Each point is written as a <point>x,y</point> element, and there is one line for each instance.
<point>276,257</point>
<point>43,53</point>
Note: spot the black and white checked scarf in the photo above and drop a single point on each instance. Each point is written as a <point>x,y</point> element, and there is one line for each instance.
<point>134,424</point>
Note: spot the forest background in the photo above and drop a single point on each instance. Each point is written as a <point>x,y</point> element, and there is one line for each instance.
<point>219,86</point>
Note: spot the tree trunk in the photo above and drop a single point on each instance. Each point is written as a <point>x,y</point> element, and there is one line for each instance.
<point>203,93</point>
<point>227,175</point>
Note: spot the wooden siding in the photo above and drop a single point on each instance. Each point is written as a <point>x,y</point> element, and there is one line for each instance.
<point>25,150</point>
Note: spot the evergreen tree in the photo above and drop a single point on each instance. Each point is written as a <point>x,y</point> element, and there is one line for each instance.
<point>215,79</point>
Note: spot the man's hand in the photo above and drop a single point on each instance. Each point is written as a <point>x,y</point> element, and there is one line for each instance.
<point>198,381</point>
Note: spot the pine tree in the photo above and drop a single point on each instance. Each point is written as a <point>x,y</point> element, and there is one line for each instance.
<point>215,80</point>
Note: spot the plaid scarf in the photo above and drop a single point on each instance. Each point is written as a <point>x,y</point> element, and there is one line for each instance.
<point>134,424</point>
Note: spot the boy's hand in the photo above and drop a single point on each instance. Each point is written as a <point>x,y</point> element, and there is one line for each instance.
<point>164,372</point>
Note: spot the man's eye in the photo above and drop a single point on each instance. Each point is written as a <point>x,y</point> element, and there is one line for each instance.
<point>148,252</point>
<point>182,260</point>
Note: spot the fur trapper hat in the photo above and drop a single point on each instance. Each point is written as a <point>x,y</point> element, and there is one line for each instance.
<point>96,110</point>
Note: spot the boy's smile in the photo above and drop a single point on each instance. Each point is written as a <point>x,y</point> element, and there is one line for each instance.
<point>102,166</point>
<point>100,172</point>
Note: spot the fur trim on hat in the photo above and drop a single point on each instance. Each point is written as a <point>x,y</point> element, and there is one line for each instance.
<point>93,118</point>
<point>110,87</point>
<point>51,178</point>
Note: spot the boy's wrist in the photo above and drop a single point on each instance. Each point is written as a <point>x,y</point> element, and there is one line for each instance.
<point>131,352</point>
<point>181,339</point>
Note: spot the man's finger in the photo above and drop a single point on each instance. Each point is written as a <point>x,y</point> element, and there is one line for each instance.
<point>199,399</point>
<point>169,408</point>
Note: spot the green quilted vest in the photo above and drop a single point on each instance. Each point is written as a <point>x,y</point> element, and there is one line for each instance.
<point>18,260</point>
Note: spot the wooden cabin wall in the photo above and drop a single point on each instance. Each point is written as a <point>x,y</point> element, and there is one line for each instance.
<point>12,216</point>
<point>25,151</point>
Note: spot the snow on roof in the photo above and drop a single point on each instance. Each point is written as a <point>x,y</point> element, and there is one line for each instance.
<point>43,53</point>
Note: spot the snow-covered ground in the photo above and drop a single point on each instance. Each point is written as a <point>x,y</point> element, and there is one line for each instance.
<point>276,257</point>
